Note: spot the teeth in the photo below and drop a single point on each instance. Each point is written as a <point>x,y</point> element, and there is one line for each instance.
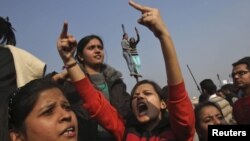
<point>140,104</point>
<point>70,129</point>
<point>98,56</point>
<point>68,132</point>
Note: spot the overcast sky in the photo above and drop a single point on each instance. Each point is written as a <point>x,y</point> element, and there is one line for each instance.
<point>209,35</point>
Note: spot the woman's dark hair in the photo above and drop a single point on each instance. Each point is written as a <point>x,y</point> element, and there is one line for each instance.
<point>7,35</point>
<point>198,108</point>
<point>23,100</point>
<point>230,92</point>
<point>229,88</point>
<point>84,41</point>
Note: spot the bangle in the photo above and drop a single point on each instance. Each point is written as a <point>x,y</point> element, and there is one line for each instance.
<point>69,65</point>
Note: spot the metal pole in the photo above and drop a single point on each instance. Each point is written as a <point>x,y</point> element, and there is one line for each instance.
<point>219,79</point>
<point>194,79</point>
<point>123,29</point>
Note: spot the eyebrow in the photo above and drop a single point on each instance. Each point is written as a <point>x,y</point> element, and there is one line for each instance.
<point>65,102</point>
<point>45,107</point>
<point>217,114</point>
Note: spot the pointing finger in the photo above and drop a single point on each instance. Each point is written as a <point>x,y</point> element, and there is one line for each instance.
<point>139,7</point>
<point>64,30</point>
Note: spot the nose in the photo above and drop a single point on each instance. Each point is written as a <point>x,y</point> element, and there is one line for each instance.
<point>236,78</point>
<point>65,115</point>
<point>141,96</point>
<point>97,48</point>
<point>216,121</point>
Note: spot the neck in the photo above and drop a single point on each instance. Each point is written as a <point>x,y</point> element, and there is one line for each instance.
<point>153,123</point>
<point>92,69</point>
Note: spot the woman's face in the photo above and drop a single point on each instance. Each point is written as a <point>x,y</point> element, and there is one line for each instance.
<point>146,104</point>
<point>92,53</point>
<point>209,115</point>
<point>51,119</point>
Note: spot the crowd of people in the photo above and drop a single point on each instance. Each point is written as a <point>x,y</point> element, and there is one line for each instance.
<point>89,100</point>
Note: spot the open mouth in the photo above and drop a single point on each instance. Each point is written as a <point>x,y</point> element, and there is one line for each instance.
<point>142,108</point>
<point>98,56</point>
<point>69,132</point>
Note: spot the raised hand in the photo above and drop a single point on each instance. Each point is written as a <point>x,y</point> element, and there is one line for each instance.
<point>66,45</point>
<point>150,18</point>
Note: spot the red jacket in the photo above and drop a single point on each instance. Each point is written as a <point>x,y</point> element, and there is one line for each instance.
<point>180,109</point>
<point>241,110</point>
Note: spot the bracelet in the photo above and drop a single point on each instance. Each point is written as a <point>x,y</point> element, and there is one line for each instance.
<point>69,66</point>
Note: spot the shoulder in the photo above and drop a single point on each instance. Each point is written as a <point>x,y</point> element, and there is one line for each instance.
<point>110,72</point>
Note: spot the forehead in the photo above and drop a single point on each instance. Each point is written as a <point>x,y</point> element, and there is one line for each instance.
<point>94,41</point>
<point>240,67</point>
<point>209,110</point>
<point>49,96</point>
<point>145,86</point>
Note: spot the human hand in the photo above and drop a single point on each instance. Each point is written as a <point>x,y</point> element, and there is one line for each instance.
<point>151,18</point>
<point>62,76</point>
<point>66,45</point>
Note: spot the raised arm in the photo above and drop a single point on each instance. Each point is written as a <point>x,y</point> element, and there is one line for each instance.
<point>66,45</point>
<point>151,19</point>
<point>137,35</point>
<point>94,102</point>
<point>180,108</point>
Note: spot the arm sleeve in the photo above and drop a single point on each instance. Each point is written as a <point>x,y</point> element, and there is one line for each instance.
<point>181,113</point>
<point>99,108</point>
